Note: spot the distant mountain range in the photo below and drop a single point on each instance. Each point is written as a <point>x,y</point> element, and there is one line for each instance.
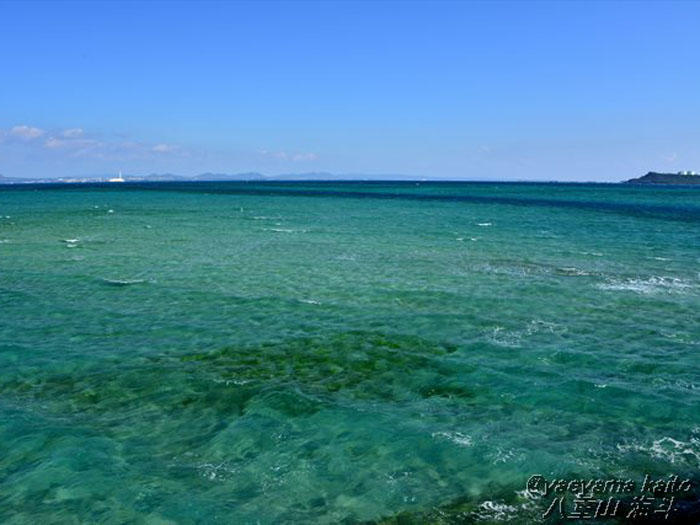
<point>249,176</point>
<point>654,177</point>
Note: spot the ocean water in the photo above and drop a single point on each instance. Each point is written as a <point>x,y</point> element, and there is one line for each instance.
<point>346,352</point>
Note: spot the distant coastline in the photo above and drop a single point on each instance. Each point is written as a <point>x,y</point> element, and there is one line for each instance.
<point>651,177</point>
<point>219,177</point>
<point>213,177</point>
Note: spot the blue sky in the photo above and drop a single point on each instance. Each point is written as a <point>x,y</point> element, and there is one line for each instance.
<point>498,90</point>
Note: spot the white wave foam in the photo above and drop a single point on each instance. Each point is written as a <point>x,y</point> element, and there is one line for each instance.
<point>494,511</point>
<point>519,271</point>
<point>544,326</point>
<point>571,270</point>
<point>484,223</point>
<point>502,337</point>
<point>513,338</point>
<point>527,495</point>
<point>122,282</point>
<point>283,230</point>
<point>229,382</point>
<point>674,383</point>
<point>504,456</point>
<point>668,449</point>
<point>649,286</point>
<point>680,338</point>
<point>215,472</point>
<point>527,510</point>
<point>459,438</point>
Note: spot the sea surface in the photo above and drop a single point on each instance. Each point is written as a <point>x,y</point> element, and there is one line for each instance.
<point>340,352</point>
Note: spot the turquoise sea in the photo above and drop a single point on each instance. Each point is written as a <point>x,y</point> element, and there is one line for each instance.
<point>340,352</point>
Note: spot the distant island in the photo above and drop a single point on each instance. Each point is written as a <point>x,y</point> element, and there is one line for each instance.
<point>653,177</point>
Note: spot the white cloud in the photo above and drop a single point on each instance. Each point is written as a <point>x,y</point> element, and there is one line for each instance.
<point>76,147</point>
<point>72,133</point>
<point>283,155</point>
<point>163,148</point>
<point>280,155</point>
<point>54,143</point>
<point>26,132</point>
<point>77,143</point>
<point>301,157</point>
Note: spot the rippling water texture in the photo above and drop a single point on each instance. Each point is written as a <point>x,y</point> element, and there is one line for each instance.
<point>239,352</point>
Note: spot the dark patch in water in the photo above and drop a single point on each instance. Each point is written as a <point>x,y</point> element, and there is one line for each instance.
<point>293,377</point>
<point>362,365</point>
<point>687,213</point>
